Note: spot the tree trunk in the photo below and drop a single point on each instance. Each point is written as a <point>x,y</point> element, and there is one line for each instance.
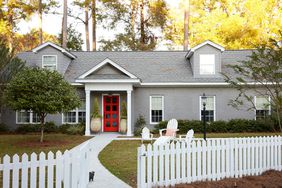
<point>93,7</point>
<point>40,21</point>
<point>87,26</point>
<point>186,25</point>
<point>42,117</point>
<point>142,24</point>
<point>65,17</point>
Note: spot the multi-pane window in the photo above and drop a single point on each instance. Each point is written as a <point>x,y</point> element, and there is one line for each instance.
<point>210,108</point>
<point>49,62</point>
<point>75,116</point>
<point>262,107</point>
<point>27,116</point>
<point>156,109</point>
<point>207,64</point>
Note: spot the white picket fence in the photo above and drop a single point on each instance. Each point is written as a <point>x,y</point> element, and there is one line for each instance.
<point>210,160</point>
<point>68,170</point>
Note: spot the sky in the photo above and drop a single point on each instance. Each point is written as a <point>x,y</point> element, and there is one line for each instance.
<point>52,24</point>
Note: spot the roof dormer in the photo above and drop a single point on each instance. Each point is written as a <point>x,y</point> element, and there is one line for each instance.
<point>205,59</point>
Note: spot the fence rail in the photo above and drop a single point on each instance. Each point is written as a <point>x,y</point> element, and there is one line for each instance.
<point>212,160</point>
<point>68,169</point>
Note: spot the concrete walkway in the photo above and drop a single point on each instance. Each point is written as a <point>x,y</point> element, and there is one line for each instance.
<point>103,178</point>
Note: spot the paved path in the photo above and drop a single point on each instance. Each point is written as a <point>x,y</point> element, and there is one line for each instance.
<point>103,178</point>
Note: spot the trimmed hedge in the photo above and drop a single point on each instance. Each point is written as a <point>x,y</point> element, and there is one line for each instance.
<point>3,128</point>
<point>234,125</point>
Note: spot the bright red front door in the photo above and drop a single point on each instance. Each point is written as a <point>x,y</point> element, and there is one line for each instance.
<point>111,113</point>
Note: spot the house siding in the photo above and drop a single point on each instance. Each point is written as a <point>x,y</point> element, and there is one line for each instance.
<point>183,103</point>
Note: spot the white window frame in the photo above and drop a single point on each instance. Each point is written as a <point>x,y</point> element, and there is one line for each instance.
<point>77,110</point>
<point>200,106</point>
<point>150,105</point>
<point>255,102</point>
<point>42,66</point>
<point>200,64</point>
<point>30,117</point>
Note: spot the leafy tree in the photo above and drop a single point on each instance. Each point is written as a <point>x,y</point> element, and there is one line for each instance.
<point>9,66</point>
<point>264,70</point>
<point>28,41</point>
<point>74,39</point>
<point>42,91</point>
<point>234,23</point>
<point>140,19</point>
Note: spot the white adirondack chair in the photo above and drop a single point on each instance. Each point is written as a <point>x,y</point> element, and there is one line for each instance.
<point>171,130</point>
<point>188,137</point>
<point>146,135</point>
<point>171,126</point>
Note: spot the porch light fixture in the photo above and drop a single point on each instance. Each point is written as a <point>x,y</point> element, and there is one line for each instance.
<point>204,100</point>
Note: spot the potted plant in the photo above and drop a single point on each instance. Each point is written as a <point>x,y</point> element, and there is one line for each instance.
<point>123,119</point>
<point>96,122</point>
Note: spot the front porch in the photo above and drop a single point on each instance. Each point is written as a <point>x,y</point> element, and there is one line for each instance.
<point>110,98</point>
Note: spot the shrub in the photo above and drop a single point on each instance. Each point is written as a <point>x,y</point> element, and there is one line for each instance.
<point>75,130</point>
<point>72,129</point>
<point>123,110</point>
<point>50,127</point>
<point>234,125</point>
<point>139,125</point>
<point>96,113</point>
<point>32,128</point>
<point>3,128</point>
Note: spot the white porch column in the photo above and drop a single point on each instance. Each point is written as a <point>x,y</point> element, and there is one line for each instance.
<point>129,132</point>
<point>87,108</point>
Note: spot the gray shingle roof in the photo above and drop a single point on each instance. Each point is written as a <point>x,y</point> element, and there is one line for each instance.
<point>149,67</point>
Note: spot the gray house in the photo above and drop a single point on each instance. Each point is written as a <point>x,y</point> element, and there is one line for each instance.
<point>158,85</point>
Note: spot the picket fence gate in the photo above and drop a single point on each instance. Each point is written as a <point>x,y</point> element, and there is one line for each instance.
<point>68,170</point>
<point>211,160</point>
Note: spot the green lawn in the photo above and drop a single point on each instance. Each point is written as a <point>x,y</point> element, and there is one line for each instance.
<point>120,157</point>
<point>27,143</point>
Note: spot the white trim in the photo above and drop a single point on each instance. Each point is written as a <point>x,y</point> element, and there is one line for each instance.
<point>214,107</point>
<point>107,61</point>
<point>49,55</point>
<point>150,107</point>
<point>184,84</point>
<point>102,113</point>
<point>76,110</point>
<point>201,63</point>
<point>107,81</point>
<point>269,106</point>
<point>38,48</point>
<point>192,50</point>
<point>30,117</point>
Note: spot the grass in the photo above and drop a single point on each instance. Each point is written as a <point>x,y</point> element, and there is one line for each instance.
<point>120,157</point>
<point>27,143</point>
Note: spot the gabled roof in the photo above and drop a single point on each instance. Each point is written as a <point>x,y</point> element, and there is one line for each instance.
<point>103,63</point>
<point>207,42</point>
<point>64,51</point>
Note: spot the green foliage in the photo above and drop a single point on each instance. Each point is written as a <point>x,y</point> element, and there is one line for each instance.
<point>72,129</point>
<point>263,67</point>
<point>139,125</point>
<point>141,19</point>
<point>49,127</point>
<point>42,91</point>
<point>74,38</point>
<point>3,128</point>
<point>96,110</point>
<point>123,110</point>
<point>9,67</point>
<point>234,126</point>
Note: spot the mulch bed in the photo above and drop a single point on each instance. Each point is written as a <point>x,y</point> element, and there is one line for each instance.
<point>269,179</point>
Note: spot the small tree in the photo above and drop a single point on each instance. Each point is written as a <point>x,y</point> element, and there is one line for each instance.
<point>123,110</point>
<point>264,70</point>
<point>96,109</point>
<point>42,91</point>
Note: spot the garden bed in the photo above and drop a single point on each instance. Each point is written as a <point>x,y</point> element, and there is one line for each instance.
<point>269,179</point>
